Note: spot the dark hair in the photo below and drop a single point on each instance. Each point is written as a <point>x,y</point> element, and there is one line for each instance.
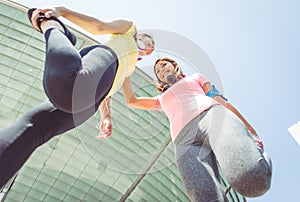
<point>162,86</point>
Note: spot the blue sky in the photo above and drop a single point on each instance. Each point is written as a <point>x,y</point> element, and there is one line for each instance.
<point>255,48</point>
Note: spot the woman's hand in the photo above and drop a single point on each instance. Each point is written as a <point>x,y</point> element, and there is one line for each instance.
<point>257,140</point>
<point>105,129</point>
<point>52,11</point>
<point>48,12</point>
<point>259,143</point>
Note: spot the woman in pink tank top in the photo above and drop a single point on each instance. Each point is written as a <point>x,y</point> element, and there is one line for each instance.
<point>207,131</point>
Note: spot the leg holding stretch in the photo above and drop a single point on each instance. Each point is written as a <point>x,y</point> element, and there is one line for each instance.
<point>244,164</point>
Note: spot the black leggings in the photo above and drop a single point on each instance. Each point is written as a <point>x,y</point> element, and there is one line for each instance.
<point>75,84</point>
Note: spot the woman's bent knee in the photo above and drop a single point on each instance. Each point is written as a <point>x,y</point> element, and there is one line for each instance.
<point>255,181</point>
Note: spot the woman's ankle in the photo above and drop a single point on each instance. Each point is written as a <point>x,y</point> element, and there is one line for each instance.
<point>49,24</point>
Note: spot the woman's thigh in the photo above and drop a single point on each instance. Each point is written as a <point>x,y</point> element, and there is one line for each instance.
<point>241,160</point>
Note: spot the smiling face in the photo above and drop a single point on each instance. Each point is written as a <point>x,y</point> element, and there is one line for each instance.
<point>167,72</point>
<point>163,69</point>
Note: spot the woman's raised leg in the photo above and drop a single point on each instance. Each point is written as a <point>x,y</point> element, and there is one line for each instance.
<point>244,164</point>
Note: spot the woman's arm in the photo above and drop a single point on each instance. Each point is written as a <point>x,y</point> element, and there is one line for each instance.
<point>88,23</point>
<point>145,103</point>
<point>105,126</point>
<point>132,101</point>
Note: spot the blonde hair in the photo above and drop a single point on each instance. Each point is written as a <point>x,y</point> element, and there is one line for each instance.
<point>160,85</point>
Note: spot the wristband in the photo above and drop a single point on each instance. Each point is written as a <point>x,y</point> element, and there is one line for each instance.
<point>214,92</point>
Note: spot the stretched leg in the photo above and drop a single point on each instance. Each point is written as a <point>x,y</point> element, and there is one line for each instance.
<point>34,128</point>
<point>95,79</point>
<point>243,163</point>
<point>62,63</point>
<point>73,81</point>
<point>198,168</point>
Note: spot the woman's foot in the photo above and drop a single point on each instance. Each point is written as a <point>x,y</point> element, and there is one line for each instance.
<point>32,13</point>
<point>42,24</point>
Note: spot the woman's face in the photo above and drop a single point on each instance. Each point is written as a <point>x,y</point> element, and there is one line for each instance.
<point>149,46</point>
<point>163,69</point>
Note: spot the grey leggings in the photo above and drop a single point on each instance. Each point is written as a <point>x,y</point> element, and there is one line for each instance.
<point>217,135</point>
<point>76,83</point>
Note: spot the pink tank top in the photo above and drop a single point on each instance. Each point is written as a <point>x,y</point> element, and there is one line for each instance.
<point>183,101</point>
